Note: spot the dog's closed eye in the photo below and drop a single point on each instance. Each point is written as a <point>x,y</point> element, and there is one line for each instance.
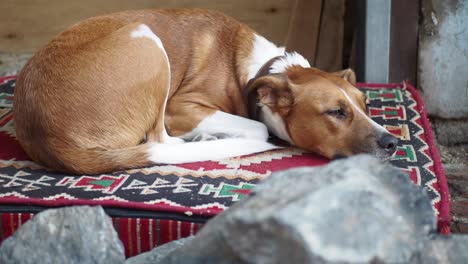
<point>367,107</point>
<point>339,113</point>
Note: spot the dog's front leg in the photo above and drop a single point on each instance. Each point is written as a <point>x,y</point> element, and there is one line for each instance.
<point>221,125</point>
<point>217,135</point>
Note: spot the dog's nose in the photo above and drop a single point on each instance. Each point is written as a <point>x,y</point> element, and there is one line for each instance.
<point>388,142</point>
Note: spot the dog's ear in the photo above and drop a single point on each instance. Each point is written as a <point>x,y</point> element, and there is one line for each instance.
<point>347,75</point>
<point>273,91</point>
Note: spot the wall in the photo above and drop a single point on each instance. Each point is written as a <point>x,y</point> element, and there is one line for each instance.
<point>26,25</point>
<point>443,57</point>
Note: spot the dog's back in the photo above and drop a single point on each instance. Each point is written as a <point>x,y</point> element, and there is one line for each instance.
<point>73,108</point>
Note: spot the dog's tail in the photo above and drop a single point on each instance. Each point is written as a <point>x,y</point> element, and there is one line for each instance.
<point>94,161</point>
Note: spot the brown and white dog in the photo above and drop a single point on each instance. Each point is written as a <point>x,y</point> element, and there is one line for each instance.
<point>171,86</point>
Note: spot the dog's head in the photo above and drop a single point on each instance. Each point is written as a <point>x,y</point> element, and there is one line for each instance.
<point>321,112</point>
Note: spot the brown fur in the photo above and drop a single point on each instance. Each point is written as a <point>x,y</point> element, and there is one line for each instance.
<point>73,108</point>
<point>87,101</point>
<point>67,120</point>
<point>302,96</point>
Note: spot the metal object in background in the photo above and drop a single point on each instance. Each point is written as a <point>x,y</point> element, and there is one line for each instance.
<point>377,41</point>
<point>387,44</point>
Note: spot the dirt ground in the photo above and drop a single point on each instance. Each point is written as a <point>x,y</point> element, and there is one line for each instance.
<point>454,158</point>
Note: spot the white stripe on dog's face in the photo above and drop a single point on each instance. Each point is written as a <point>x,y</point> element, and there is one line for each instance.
<point>359,110</point>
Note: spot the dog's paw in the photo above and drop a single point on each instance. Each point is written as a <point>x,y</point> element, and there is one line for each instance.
<point>214,136</point>
<point>173,140</point>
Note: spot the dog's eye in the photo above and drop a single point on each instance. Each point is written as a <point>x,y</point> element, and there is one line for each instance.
<point>338,113</point>
<point>367,107</point>
<point>367,102</point>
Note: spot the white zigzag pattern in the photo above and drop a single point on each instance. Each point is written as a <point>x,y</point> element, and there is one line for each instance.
<point>112,197</point>
<point>60,195</point>
<point>210,205</point>
<point>197,207</point>
<point>19,164</point>
<point>224,173</point>
<point>232,164</point>
<point>165,201</point>
<point>15,194</point>
<point>422,150</point>
<point>417,135</point>
<point>429,186</point>
<point>268,156</point>
<point>9,129</point>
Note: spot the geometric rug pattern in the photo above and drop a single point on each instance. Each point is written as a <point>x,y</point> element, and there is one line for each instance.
<point>189,194</point>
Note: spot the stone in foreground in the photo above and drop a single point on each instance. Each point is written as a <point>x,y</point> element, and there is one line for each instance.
<point>158,253</point>
<point>353,210</point>
<point>79,234</point>
<point>444,249</point>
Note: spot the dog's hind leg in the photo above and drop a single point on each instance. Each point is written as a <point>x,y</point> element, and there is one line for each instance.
<point>159,132</point>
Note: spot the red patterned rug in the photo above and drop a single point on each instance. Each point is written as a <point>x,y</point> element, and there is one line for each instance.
<point>154,205</point>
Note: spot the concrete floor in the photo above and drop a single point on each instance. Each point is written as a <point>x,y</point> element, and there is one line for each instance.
<point>454,158</point>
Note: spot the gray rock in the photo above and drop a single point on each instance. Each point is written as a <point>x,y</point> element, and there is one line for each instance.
<point>79,234</point>
<point>158,253</point>
<point>11,64</point>
<point>444,249</point>
<point>451,131</point>
<point>353,210</point>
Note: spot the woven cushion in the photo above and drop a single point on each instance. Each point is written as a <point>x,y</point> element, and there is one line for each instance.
<point>154,205</point>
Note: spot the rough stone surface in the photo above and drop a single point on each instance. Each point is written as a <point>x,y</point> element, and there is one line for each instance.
<point>451,249</point>
<point>155,255</point>
<point>355,210</point>
<point>451,132</point>
<point>80,234</point>
<point>11,64</point>
<point>443,53</point>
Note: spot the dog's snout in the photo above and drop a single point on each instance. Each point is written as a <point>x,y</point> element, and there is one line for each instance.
<point>388,142</point>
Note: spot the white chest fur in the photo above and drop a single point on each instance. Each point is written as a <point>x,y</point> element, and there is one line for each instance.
<point>274,123</point>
